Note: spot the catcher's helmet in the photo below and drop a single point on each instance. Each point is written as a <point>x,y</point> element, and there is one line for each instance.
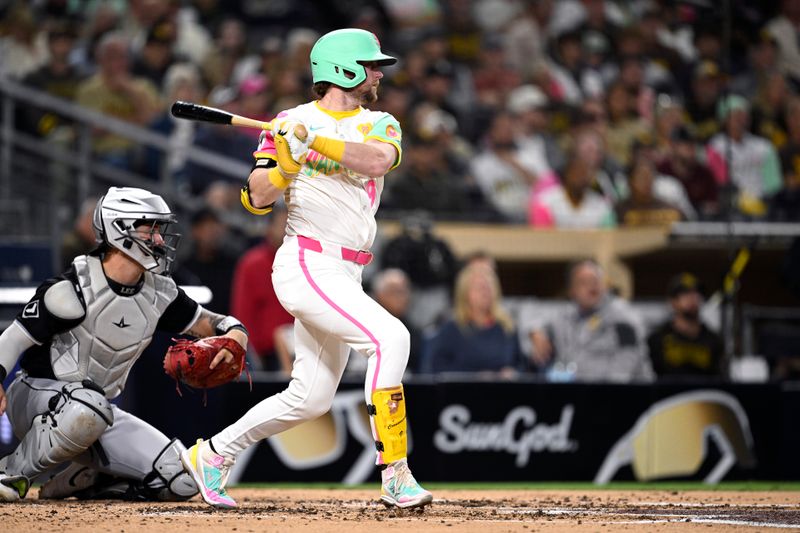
<point>338,56</point>
<point>136,222</point>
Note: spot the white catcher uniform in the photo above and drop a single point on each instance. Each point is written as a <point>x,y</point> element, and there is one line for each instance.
<point>317,278</point>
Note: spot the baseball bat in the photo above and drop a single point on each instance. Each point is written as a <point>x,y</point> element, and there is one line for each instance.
<point>202,113</point>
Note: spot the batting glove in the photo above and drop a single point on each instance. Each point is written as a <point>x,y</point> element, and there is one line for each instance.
<point>298,147</point>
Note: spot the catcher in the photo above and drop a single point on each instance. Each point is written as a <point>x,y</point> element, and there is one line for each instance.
<point>79,336</point>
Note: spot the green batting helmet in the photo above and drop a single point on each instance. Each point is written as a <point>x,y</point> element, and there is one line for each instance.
<point>341,53</point>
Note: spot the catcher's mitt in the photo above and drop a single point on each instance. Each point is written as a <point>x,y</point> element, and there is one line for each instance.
<point>187,361</point>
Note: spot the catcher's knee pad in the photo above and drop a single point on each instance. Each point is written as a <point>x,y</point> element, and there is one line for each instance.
<point>389,411</point>
<point>81,413</point>
<point>168,481</point>
<point>78,415</point>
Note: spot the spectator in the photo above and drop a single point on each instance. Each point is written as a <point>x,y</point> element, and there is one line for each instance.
<point>155,57</point>
<point>80,240</point>
<point>209,262</point>
<point>684,346</point>
<point>755,169</point>
<point>695,177</point>
<point>181,82</point>
<point>428,262</point>
<point>392,289</point>
<point>769,105</point>
<point>784,29</point>
<point>504,171</point>
<point>625,126</point>
<point>763,56</point>
<point>571,81</point>
<point>23,46</point>
<point>785,205</point>
<point>222,139</point>
<point>493,77</point>
<point>56,77</point>
<point>425,181</point>
<point>480,337</point>
<point>526,38</point>
<point>255,100</point>
<point>669,115</point>
<point>706,89</point>
<point>116,92</point>
<point>229,49</point>
<point>574,204</point>
<point>642,208</point>
<point>528,105</point>
<point>253,297</point>
<point>599,338</point>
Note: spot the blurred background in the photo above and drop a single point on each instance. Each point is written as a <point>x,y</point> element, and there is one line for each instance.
<point>595,225</point>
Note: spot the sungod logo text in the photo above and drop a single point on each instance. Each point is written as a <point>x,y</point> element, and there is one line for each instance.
<point>519,434</point>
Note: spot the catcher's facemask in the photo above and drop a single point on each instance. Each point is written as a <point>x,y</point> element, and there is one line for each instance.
<point>157,245</point>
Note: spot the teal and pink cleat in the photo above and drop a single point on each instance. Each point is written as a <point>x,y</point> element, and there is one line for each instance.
<point>210,472</point>
<point>400,489</point>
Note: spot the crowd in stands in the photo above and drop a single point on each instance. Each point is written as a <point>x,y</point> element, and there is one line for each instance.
<point>577,113</point>
<point>568,114</point>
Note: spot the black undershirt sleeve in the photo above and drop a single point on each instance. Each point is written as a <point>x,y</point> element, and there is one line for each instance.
<point>178,314</point>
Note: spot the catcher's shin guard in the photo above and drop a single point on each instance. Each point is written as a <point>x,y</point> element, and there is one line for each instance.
<point>389,411</point>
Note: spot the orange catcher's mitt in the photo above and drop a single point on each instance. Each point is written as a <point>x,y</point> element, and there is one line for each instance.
<point>188,361</point>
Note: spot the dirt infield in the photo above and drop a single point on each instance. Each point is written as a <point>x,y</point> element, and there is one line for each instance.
<point>356,511</point>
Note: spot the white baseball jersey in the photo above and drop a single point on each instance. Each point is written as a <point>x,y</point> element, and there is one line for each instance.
<point>326,201</point>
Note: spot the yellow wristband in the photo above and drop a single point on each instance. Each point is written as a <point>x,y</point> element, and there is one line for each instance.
<point>244,197</point>
<point>277,178</point>
<point>330,148</point>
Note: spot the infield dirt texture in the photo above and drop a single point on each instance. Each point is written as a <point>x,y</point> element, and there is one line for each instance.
<point>356,511</point>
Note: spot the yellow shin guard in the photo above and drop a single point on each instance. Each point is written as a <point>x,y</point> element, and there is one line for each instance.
<point>389,409</point>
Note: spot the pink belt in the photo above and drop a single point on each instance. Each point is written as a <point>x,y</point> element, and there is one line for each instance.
<point>360,257</point>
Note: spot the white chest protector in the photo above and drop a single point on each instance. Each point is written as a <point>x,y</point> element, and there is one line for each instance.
<point>115,330</point>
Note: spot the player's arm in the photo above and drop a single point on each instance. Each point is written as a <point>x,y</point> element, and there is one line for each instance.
<point>13,342</point>
<point>210,324</point>
<point>372,158</point>
<point>378,154</point>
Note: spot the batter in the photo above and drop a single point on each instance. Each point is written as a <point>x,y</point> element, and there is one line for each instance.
<point>331,182</point>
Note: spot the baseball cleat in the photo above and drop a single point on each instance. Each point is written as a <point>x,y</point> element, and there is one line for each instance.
<point>400,489</point>
<point>13,488</point>
<point>209,472</point>
<point>68,482</point>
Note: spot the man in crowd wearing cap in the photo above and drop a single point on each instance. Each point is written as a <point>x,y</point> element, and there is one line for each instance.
<point>57,77</point>
<point>528,104</point>
<point>685,166</point>
<point>684,347</point>
<point>744,160</point>
<point>706,88</point>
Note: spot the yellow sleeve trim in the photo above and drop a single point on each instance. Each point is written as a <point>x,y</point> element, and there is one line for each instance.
<point>393,143</point>
<point>265,155</point>
<point>330,148</point>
